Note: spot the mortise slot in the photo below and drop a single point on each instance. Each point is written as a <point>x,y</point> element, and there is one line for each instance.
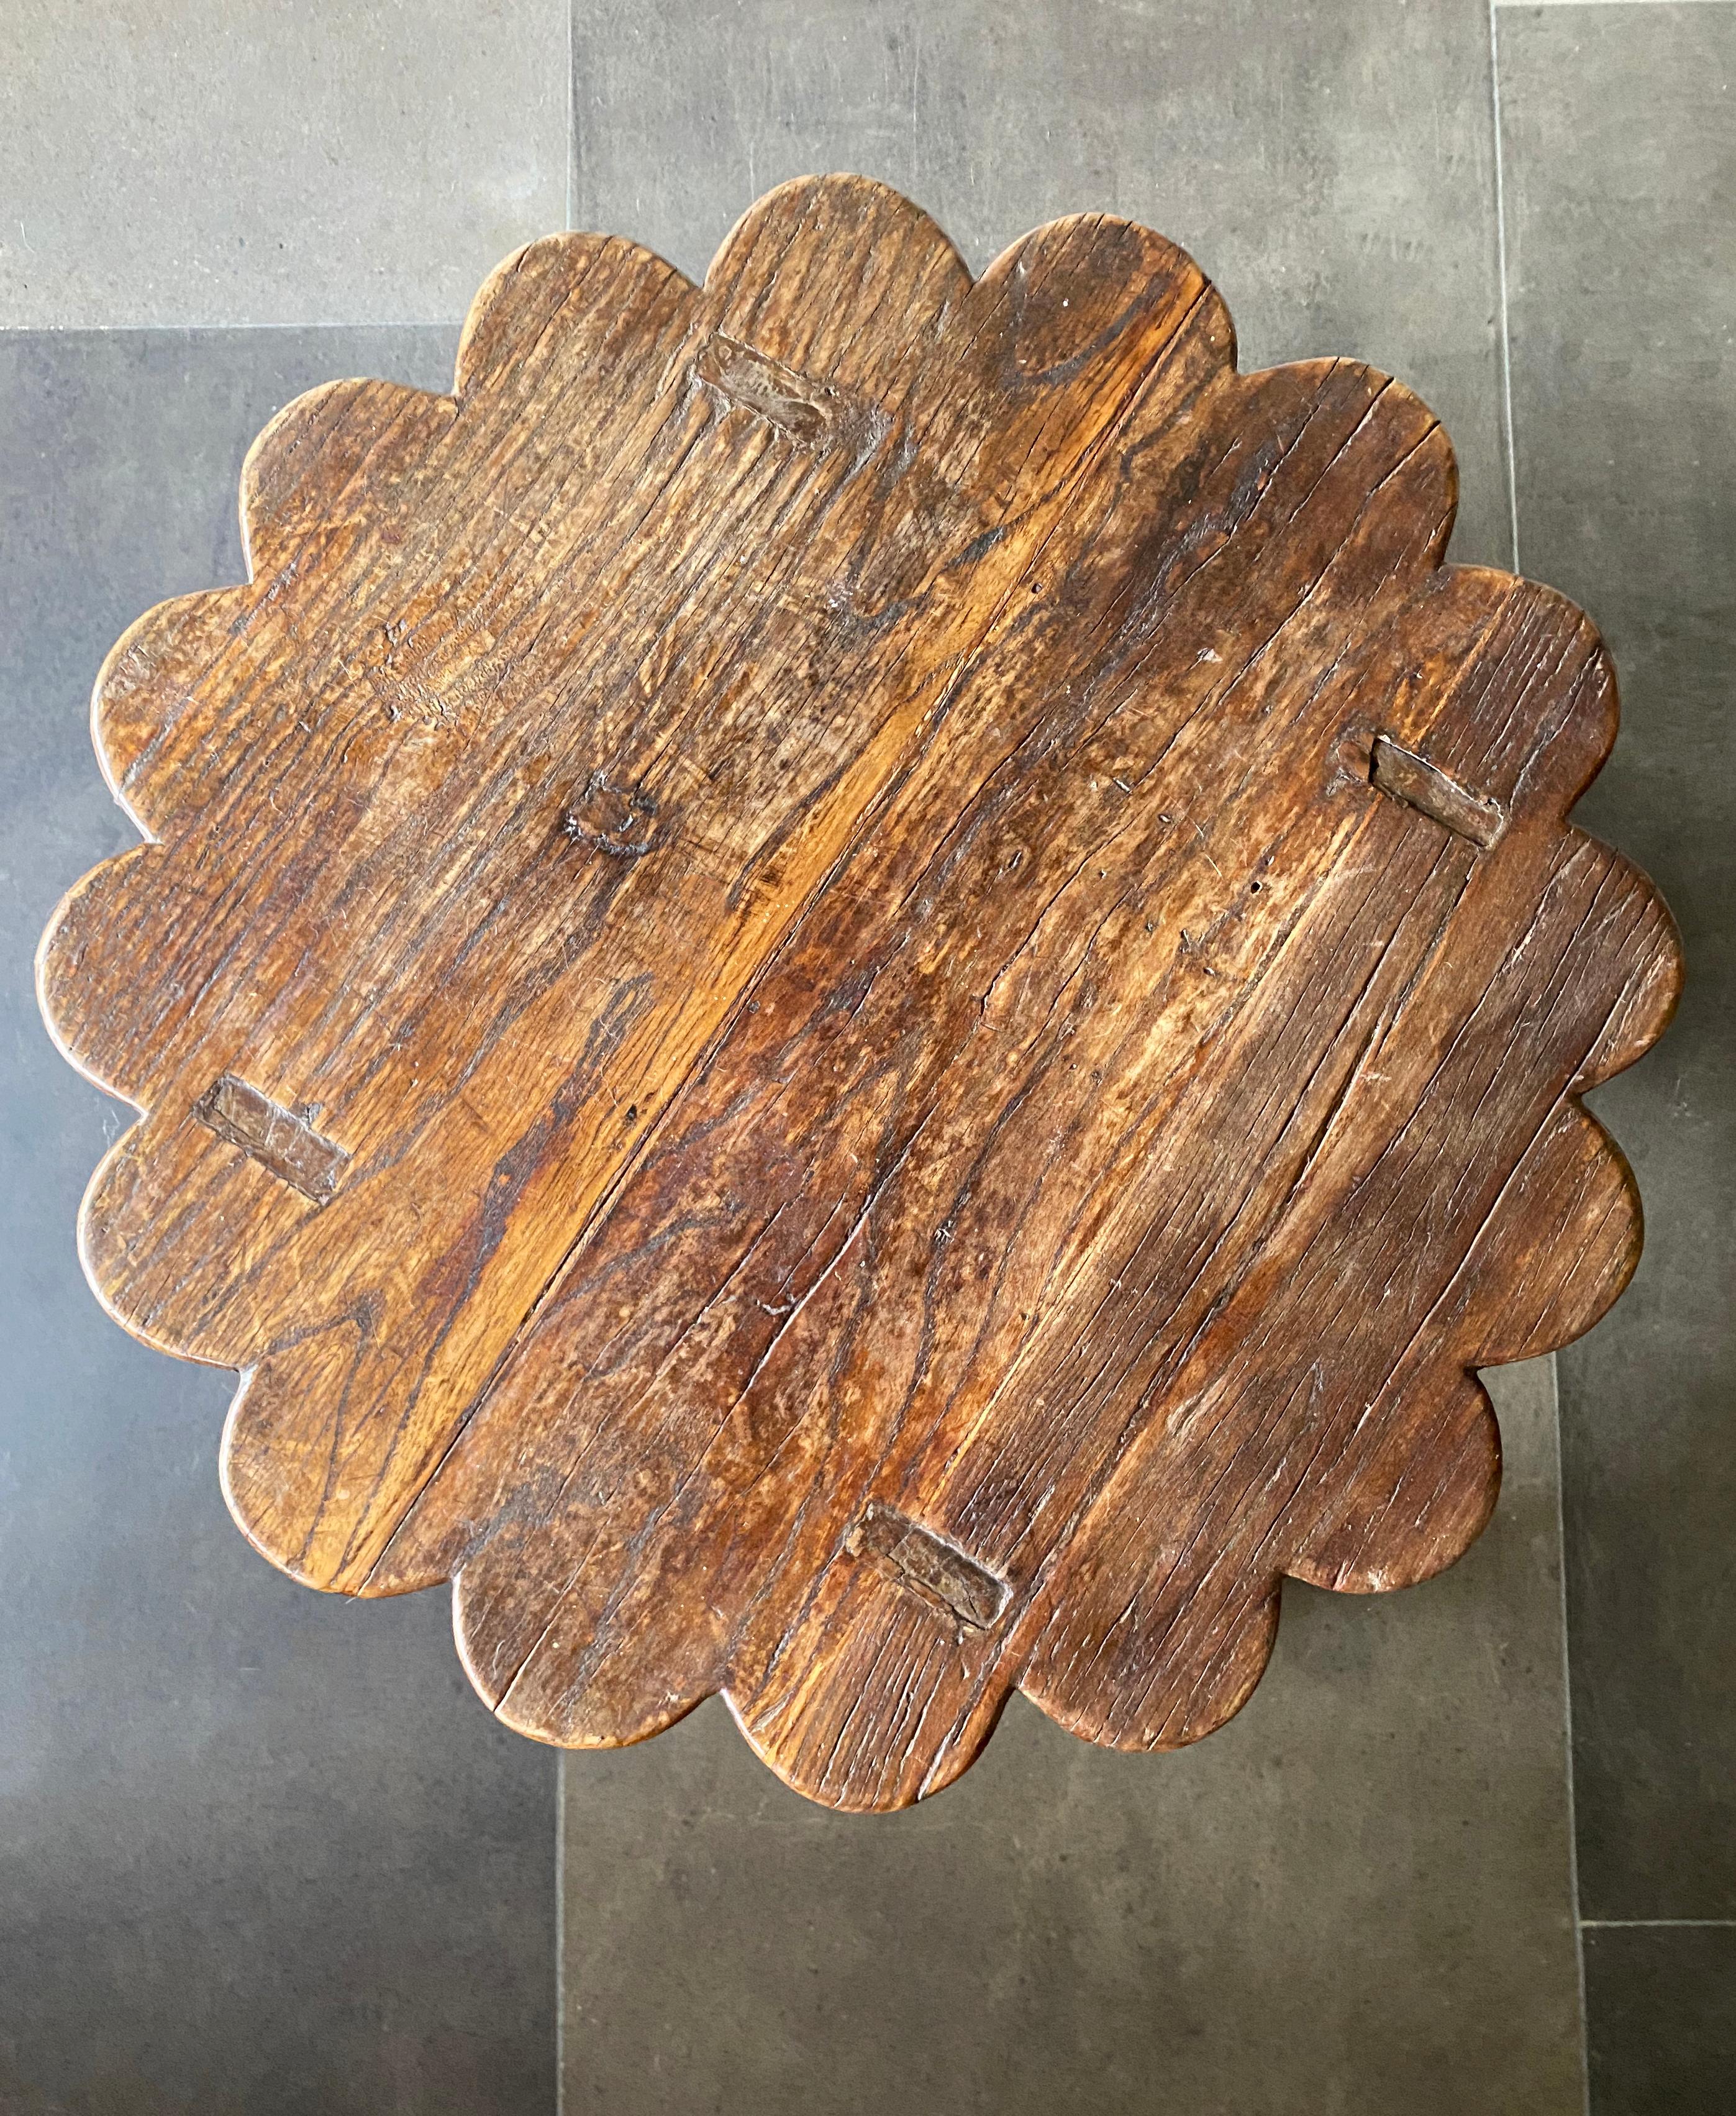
<point>1423,786</point>
<point>807,411</point>
<point>272,1135</point>
<point>916,1556</point>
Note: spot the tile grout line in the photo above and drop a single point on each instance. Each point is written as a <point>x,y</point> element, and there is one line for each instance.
<point>1501,259</point>
<point>560,1932</point>
<point>1648,1925</point>
<point>572,119</point>
<point>1582,1925</point>
<point>1609,3</point>
<point>1554,1387</point>
<point>176,329</point>
<point>1567,1730</point>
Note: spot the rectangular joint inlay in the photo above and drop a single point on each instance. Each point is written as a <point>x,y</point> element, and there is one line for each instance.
<point>916,1557</point>
<point>1425,786</point>
<point>272,1135</point>
<point>807,411</point>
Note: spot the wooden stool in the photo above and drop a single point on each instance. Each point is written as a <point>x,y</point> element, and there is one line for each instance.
<point>859,988</point>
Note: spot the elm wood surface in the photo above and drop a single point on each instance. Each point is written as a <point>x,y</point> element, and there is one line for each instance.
<point>859,988</point>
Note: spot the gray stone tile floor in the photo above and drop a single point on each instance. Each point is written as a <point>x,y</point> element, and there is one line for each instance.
<point>1621,202</point>
<point>260,1851</point>
<point>1662,2005</point>
<point>203,161</point>
<point>1333,167</point>
<point>1355,1896</point>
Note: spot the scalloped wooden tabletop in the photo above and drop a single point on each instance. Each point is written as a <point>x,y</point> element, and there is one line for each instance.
<point>859,988</point>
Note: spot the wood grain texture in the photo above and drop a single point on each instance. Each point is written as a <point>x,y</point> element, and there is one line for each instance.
<point>859,988</point>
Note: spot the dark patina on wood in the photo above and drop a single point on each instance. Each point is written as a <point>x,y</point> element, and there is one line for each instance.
<point>859,988</point>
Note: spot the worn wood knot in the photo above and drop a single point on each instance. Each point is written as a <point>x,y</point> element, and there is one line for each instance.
<point>937,1570</point>
<point>620,820</point>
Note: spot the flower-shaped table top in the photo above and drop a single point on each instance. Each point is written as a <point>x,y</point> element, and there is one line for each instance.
<point>859,988</point>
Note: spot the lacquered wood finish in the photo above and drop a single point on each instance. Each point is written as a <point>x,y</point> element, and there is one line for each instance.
<point>859,988</point>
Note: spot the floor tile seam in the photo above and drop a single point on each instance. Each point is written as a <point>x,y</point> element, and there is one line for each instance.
<point>1658,1924</point>
<point>166,329</point>
<point>572,115</point>
<point>560,1932</point>
<point>1509,445</point>
<point>1522,6</point>
<point>1554,1393</point>
<point>1570,1790</point>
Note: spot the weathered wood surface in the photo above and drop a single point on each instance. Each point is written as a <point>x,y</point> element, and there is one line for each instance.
<point>859,988</point>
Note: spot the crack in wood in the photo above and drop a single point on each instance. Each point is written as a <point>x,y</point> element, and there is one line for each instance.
<point>939,1571</point>
<point>277,1138</point>
<point>1413,780</point>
